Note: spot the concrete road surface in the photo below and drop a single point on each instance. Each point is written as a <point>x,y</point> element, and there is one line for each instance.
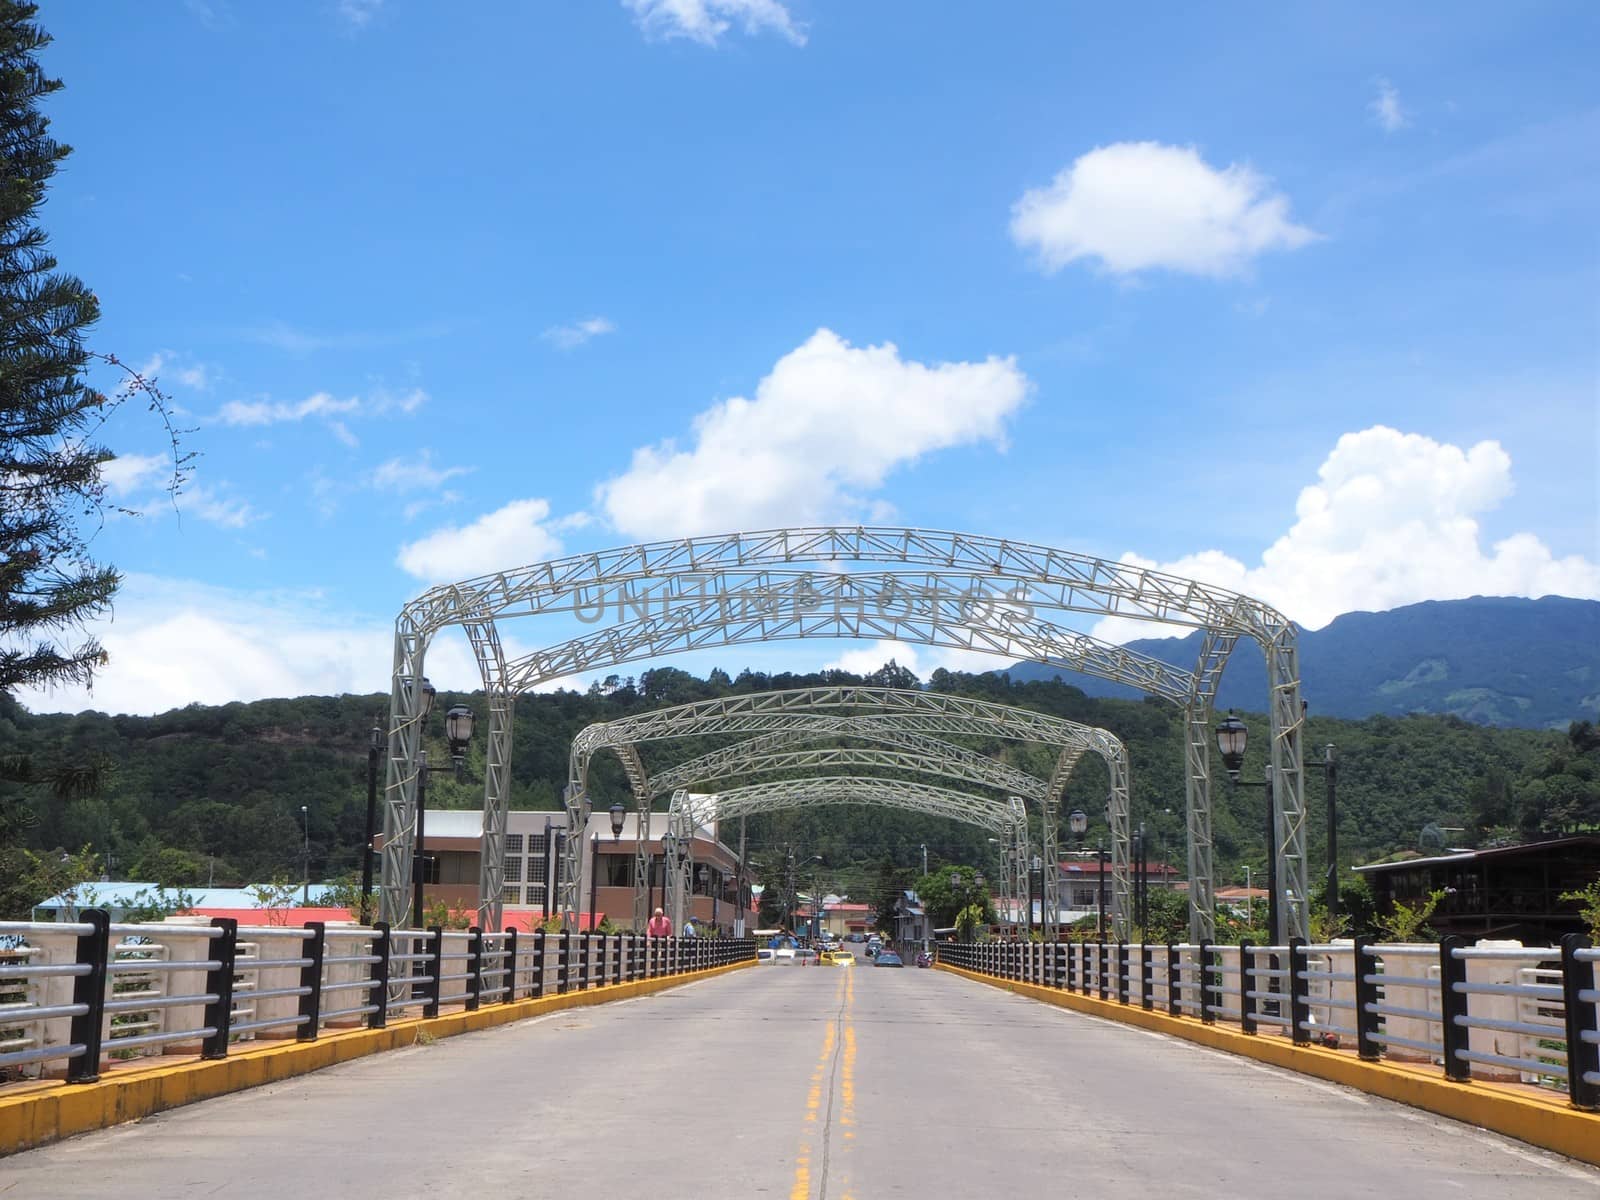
<point>825,1082</point>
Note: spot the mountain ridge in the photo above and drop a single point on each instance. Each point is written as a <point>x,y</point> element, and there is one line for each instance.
<point>1506,661</point>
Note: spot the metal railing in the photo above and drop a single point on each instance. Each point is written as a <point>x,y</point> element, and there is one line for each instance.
<point>1517,1014</point>
<point>77,996</point>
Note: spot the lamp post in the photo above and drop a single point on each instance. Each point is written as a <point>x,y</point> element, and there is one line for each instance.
<point>419,860</point>
<point>1330,775</point>
<point>374,748</point>
<point>1036,889</point>
<point>305,857</point>
<point>1078,823</point>
<point>1232,734</point>
<point>924,859</point>
<point>618,814</point>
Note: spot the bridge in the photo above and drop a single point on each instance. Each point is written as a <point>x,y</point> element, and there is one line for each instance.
<point>405,1061</point>
<point>617,1065</point>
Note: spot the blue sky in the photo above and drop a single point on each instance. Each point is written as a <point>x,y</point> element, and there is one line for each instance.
<point>1300,302</point>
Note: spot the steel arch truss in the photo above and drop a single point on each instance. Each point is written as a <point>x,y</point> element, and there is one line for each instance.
<point>689,812</point>
<point>910,723</point>
<point>936,588</point>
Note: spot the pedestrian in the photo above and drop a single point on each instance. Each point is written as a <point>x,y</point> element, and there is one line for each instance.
<point>660,925</point>
<point>688,928</point>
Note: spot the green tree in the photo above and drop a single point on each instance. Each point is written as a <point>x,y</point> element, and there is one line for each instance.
<point>50,469</point>
<point>1588,901</point>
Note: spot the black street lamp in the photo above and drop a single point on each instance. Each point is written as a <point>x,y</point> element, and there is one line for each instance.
<point>1232,733</point>
<point>1078,823</point>
<point>458,732</point>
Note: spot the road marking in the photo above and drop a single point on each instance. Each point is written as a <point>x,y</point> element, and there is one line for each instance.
<point>838,1042</point>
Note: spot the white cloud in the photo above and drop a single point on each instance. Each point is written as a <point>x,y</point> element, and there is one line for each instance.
<point>570,337</point>
<point>705,21</point>
<point>322,406</point>
<point>226,511</point>
<point>1392,520</point>
<point>830,421</point>
<point>1385,108</point>
<point>1138,206</point>
<point>175,642</point>
<point>163,365</point>
<point>267,412</point>
<point>409,475</point>
<point>358,13</point>
<point>921,661</point>
<point>512,536</point>
<point>130,473</point>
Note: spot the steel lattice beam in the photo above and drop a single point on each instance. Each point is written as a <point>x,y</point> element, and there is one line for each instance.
<point>720,590</point>
<point>867,712</point>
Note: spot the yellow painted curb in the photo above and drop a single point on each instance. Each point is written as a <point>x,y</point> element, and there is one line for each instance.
<point>1552,1123</point>
<point>48,1111</point>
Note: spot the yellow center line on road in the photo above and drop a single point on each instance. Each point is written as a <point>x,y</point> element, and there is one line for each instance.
<point>847,1078</point>
<point>831,1035</point>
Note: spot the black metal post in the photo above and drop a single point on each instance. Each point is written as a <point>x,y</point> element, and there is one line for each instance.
<point>1272,864</point>
<point>1147,977</point>
<point>1247,1002</point>
<point>594,876</point>
<point>219,983</point>
<point>1367,1046</point>
<point>311,980</point>
<point>474,979</point>
<point>1105,971</point>
<point>510,993</point>
<point>1583,1049</point>
<point>419,859</point>
<point>435,961</point>
<point>549,850</point>
<point>1174,980</point>
<point>1203,962</point>
<point>1122,972</point>
<point>89,989</point>
<point>1100,861</point>
<point>1138,878</point>
<point>1453,1010</point>
<point>538,963</point>
<point>564,961</point>
<point>378,994</point>
<point>373,747</point>
<point>1299,992</point>
<point>1330,771</point>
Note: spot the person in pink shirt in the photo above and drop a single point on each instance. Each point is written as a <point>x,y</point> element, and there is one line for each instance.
<point>660,925</point>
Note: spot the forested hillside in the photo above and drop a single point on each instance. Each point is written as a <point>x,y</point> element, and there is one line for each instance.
<point>1492,660</point>
<point>215,793</point>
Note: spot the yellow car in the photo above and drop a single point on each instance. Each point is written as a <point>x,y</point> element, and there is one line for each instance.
<point>839,958</point>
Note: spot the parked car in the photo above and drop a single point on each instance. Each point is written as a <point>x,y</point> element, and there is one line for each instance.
<point>857,937</point>
<point>765,954</point>
<point>924,959</point>
<point>805,958</point>
<point>784,955</point>
<point>838,958</point>
<point>887,958</point>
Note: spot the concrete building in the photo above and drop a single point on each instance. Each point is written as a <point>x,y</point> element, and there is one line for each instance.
<point>453,851</point>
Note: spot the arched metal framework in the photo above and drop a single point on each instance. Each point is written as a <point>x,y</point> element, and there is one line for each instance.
<point>689,812</point>
<point>936,589</point>
<point>915,721</point>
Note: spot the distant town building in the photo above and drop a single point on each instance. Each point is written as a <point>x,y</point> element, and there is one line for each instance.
<point>1510,892</point>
